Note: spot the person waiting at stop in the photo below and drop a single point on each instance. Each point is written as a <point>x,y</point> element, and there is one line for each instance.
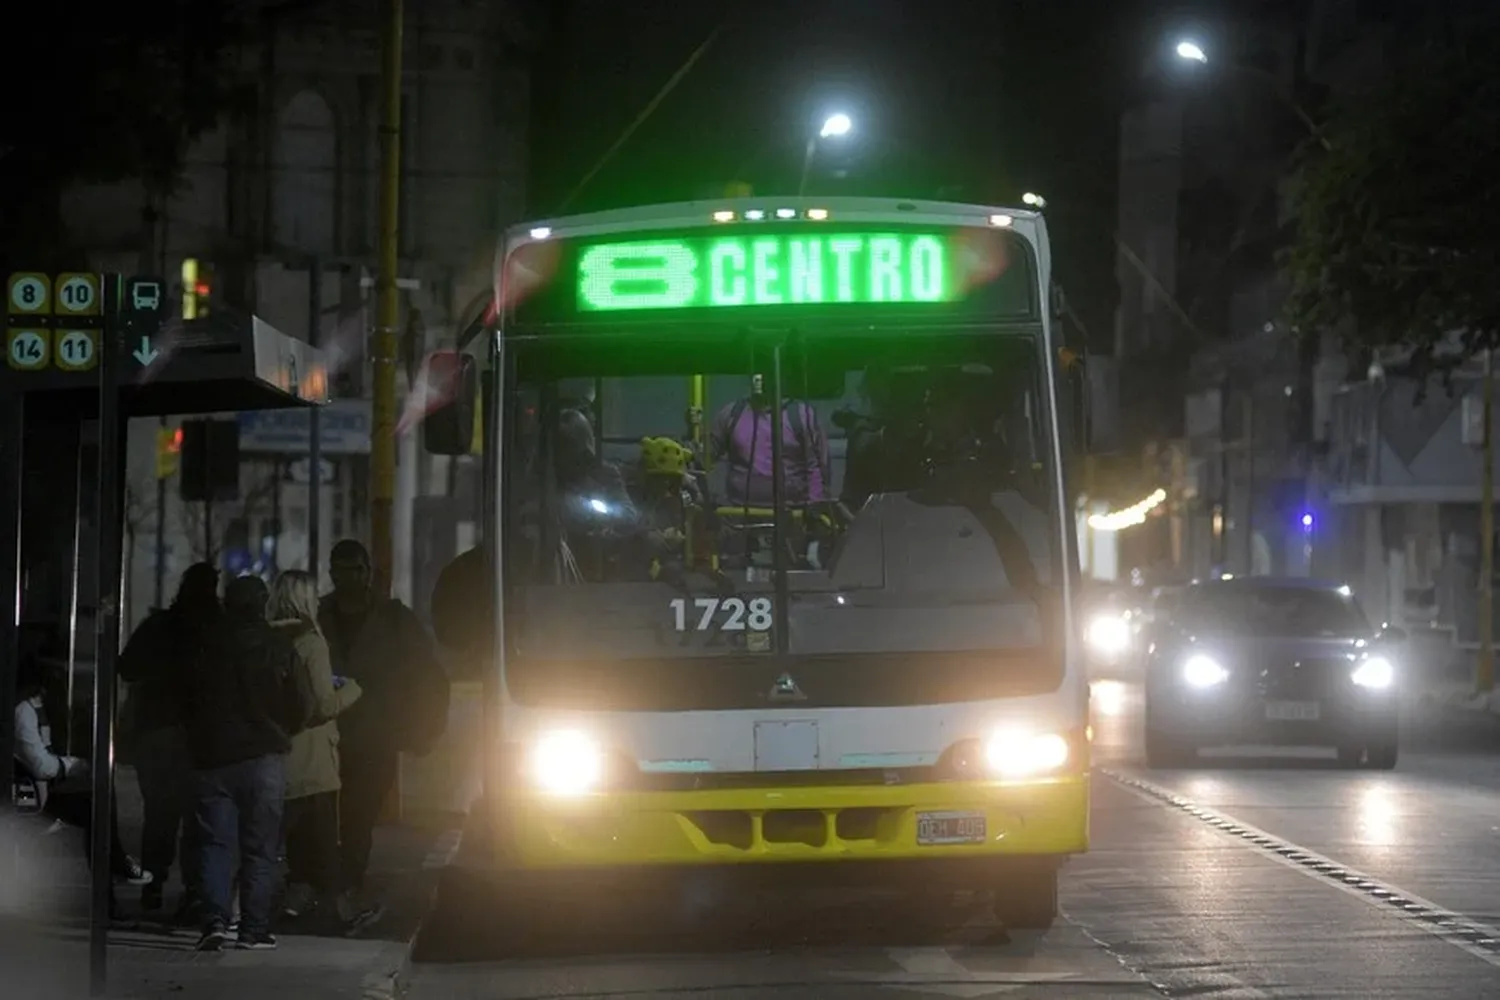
<point>64,785</point>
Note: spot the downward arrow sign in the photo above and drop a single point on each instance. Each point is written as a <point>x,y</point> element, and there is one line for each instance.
<point>145,354</point>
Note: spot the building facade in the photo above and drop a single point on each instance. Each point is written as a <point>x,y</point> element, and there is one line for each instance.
<point>1240,405</point>
<point>278,207</point>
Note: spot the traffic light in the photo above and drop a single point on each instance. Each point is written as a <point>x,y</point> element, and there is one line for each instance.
<point>168,451</point>
<point>197,287</point>
<point>210,460</point>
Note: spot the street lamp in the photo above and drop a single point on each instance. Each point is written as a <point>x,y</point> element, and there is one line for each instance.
<point>1191,51</point>
<point>1034,200</point>
<point>835,126</point>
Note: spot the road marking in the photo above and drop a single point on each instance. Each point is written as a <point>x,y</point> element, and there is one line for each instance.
<point>1478,939</point>
<point>936,971</point>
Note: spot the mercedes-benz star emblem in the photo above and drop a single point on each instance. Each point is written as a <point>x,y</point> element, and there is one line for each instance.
<point>785,689</point>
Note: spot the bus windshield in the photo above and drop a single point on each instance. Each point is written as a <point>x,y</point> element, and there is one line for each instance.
<point>907,505</point>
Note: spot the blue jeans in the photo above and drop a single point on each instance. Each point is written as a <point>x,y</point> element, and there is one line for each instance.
<point>239,806</point>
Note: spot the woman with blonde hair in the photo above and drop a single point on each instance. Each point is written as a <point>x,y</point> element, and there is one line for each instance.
<point>312,785</point>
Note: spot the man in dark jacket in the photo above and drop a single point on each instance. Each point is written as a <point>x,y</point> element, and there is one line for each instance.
<point>243,712</point>
<point>155,662</point>
<point>380,643</point>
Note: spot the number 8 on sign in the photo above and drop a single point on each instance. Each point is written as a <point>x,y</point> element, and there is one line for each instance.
<point>27,350</point>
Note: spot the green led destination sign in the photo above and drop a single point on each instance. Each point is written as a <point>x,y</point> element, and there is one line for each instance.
<point>767,270</point>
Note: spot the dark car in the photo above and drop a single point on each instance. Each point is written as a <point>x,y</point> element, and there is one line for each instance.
<point>1266,661</point>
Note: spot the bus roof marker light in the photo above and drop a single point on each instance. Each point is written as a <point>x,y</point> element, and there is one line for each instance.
<point>817,214</point>
<point>1002,221</point>
<point>786,213</point>
<point>724,215</point>
<point>755,214</point>
<point>541,232</point>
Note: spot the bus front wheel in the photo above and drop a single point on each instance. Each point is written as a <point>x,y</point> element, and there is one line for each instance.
<point>1026,898</point>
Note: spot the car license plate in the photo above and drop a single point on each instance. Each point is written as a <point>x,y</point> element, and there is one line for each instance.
<point>950,828</point>
<point>1292,711</point>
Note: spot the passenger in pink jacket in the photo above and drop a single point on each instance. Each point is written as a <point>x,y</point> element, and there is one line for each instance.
<point>741,436</point>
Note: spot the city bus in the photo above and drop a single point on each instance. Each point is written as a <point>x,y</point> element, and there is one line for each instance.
<point>846,649</point>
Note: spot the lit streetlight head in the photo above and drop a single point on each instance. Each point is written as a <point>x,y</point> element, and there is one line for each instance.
<point>1192,52</point>
<point>835,125</point>
<point>1034,200</point>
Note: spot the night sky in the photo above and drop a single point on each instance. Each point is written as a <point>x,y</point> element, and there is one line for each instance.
<point>967,100</point>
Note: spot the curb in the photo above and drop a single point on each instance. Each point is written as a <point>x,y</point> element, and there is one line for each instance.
<point>1461,700</point>
<point>390,985</point>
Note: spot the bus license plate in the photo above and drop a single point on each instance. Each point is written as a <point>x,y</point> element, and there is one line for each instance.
<point>1292,711</point>
<point>950,828</point>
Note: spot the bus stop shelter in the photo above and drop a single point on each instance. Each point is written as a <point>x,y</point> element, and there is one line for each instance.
<point>50,495</point>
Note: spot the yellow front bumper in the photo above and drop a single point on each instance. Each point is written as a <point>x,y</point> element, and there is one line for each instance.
<point>795,824</point>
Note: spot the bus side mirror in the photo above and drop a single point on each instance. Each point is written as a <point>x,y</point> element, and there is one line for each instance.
<point>1102,422</point>
<point>449,426</point>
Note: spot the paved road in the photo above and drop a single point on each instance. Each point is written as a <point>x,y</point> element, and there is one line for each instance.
<point>1250,877</point>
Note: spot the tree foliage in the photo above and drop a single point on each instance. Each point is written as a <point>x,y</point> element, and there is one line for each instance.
<point>1398,214</point>
<point>120,91</point>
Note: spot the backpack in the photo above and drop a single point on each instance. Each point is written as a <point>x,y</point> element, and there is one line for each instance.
<point>793,410</point>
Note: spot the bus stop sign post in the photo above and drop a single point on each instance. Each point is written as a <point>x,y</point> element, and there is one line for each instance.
<point>132,317</point>
<point>107,623</point>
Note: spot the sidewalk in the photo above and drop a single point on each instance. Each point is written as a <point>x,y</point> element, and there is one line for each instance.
<point>148,960</point>
<point>44,956</point>
<point>1441,677</point>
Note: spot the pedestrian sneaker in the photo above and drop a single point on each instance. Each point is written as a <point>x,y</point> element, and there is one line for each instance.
<point>300,900</point>
<point>213,939</point>
<point>263,941</point>
<point>131,873</point>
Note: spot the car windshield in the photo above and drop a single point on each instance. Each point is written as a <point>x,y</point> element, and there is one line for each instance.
<point>916,505</point>
<point>1259,609</point>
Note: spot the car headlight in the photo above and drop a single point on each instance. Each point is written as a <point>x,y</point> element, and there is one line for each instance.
<point>1202,671</point>
<point>1023,754</point>
<point>1108,634</point>
<point>1377,672</point>
<point>566,763</point>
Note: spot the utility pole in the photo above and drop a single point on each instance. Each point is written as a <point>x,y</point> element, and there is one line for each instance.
<point>1484,675</point>
<point>1250,479</point>
<point>314,428</point>
<point>387,305</point>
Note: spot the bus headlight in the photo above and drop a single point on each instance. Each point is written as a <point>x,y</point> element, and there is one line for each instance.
<point>1203,671</point>
<point>566,762</point>
<point>1376,673</point>
<point>1025,755</point>
<point>1108,635</point>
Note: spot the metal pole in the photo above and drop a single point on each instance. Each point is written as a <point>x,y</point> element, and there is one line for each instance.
<point>782,611</point>
<point>70,745</point>
<point>11,453</point>
<point>383,347</point>
<point>314,426</point>
<point>807,160</point>
<point>107,639</point>
<point>160,576</point>
<point>1484,675</point>
<point>1250,481</point>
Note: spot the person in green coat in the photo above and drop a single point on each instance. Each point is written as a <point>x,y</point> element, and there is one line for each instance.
<point>312,786</point>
